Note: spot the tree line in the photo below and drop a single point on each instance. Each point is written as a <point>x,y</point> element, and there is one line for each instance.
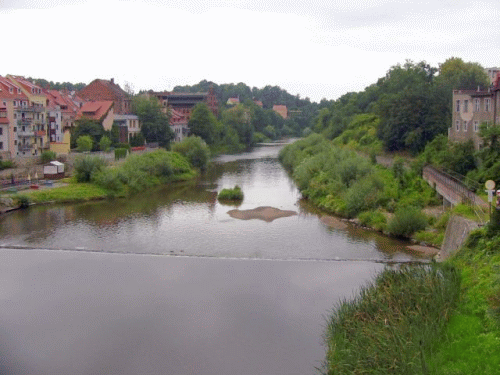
<point>412,102</point>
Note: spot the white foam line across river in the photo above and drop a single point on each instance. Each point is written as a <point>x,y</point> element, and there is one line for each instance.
<point>178,255</point>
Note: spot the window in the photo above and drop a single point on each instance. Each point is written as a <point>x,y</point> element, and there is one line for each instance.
<point>457,107</point>
<point>15,142</point>
<point>15,128</point>
<point>457,124</point>
<point>1,145</point>
<point>487,104</point>
<point>1,131</point>
<point>466,106</point>
<point>465,126</point>
<point>477,104</point>
<point>476,126</point>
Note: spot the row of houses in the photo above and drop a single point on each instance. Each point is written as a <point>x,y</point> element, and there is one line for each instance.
<point>34,119</point>
<point>471,108</point>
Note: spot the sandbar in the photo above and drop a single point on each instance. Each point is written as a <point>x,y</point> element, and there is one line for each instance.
<point>265,213</point>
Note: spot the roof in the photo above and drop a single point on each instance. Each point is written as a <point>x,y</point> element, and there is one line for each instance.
<point>25,84</point>
<point>233,100</point>
<point>6,86</point>
<point>281,110</point>
<point>101,89</point>
<point>95,110</point>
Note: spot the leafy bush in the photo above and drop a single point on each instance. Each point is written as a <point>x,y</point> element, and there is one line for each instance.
<point>104,143</point>
<point>234,194</point>
<point>123,145</point>
<point>86,166</point>
<point>195,150</point>
<point>84,143</point>
<point>373,219</point>
<point>137,140</point>
<point>5,164</point>
<point>23,201</point>
<point>258,137</point>
<point>120,153</point>
<point>48,156</point>
<point>110,179</point>
<point>407,221</point>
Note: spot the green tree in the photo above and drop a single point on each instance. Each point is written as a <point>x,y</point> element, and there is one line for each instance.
<point>104,143</point>
<point>204,124</point>
<point>239,118</point>
<point>137,140</point>
<point>86,126</point>
<point>155,124</point>
<point>84,143</point>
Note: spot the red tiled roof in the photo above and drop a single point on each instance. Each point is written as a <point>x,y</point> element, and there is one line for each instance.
<point>5,85</point>
<point>95,110</point>
<point>100,89</point>
<point>281,110</point>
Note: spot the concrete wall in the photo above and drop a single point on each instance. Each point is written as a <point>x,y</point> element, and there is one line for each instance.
<point>457,231</point>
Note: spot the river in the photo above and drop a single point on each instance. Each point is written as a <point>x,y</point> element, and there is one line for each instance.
<point>167,282</point>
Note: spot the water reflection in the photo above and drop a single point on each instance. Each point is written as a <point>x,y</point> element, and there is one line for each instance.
<point>187,219</point>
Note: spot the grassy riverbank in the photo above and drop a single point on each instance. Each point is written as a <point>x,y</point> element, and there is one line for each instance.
<point>436,319</point>
<point>393,326</point>
<point>471,344</point>
<point>93,179</point>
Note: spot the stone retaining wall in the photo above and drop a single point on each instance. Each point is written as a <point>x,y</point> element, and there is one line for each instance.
<point>457,231</point>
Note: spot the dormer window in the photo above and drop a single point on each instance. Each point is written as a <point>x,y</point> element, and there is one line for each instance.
<point>11,90</point>
<point>18,91</point>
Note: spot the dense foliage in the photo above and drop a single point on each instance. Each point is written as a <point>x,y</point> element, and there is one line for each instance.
<point>234,194</point>
<point>155,124</point>
<point>87,127</point>
<point>412,102</point>
<point>195,150</point>
<point>47,156</point>
<point>342,182</point>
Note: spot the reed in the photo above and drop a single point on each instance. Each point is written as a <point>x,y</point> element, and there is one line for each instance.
<point>393,325</point>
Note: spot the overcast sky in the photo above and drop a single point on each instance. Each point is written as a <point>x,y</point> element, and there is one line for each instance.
<point>316,48</point>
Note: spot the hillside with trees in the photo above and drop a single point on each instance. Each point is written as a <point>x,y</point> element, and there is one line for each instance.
<point>412,103</point>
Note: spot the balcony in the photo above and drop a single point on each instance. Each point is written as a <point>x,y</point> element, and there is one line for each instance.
<point>25,133</point>
<point>25,147</point>
<point>24,121</point>
<point>30,109</point>
<point>40,133</point>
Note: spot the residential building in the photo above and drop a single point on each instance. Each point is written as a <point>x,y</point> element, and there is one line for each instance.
<point>10,94</point>
<point>179,125</point>
<point>99,111</point>
<point>30,116</point>
<point>128,127</point>
<point>492,73</point>
<point>281,110</point>
<point>103,90</point>
<point>471,108</point>
<point>183,103</point>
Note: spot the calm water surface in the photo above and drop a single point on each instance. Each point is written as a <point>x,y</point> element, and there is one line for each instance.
<point>91,291</point>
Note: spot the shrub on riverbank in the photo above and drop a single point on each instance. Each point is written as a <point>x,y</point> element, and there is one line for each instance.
<point>394,324</point>
<point>406,221</point>
<point>195,150</point>
<point>344,183</point>
<point>234,194</point>
<point>87,166</point>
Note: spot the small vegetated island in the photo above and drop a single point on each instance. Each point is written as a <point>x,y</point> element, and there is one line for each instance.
<point>234,195</point>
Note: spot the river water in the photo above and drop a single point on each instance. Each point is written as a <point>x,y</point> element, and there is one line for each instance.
<point>169,283</point>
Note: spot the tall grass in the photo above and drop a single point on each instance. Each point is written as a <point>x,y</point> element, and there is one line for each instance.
<point>393,325</point>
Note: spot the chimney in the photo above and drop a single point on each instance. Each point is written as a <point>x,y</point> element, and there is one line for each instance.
<point>112,80</point>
